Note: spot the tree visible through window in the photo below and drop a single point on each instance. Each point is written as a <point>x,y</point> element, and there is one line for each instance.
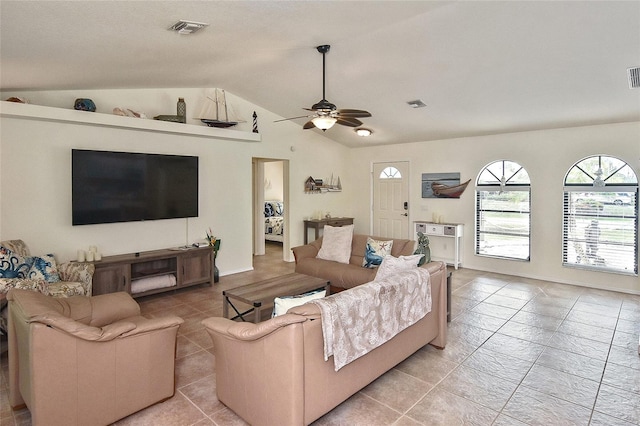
<point>503,209</point>
<point>600,216</point>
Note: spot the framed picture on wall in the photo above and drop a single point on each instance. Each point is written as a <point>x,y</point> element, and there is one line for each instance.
<point>442,185</point>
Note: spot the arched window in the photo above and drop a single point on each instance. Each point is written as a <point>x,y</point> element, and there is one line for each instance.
<point>503,207</point>
<point>600,216</point>
<point>390,173</point>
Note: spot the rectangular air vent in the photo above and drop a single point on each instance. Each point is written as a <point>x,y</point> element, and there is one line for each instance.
<point>187,27</point>
<point>634,77</point>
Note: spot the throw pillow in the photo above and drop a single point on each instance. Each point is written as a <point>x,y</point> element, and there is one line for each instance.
<point>392,265</point>
<point>268,209</point>
<point>336,243</point>
<point>12,265</point>
<point>282,304</point>
<point>375,251</point>
<point>44,268</point>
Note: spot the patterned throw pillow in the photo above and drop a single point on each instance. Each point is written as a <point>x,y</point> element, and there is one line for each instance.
<point>375,251</point>
<point>44,268</point>
<point>268,209</point>
<point>12,265</point>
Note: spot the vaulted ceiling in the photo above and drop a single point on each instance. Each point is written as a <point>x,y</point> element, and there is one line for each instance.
<point>481,67</point>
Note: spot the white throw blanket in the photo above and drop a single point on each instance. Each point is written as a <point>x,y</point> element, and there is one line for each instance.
<point>360,319</point>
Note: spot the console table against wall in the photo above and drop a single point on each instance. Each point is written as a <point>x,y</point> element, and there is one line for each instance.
<point>444,230</point>
<point>191,266</point>
<point>318,224</point>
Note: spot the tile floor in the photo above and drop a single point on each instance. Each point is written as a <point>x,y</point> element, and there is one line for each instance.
<point>520,351</point>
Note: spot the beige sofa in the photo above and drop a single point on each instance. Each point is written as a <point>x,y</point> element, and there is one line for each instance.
<point>343,275</point>
<point>87,360</point>
<point>274,373</point>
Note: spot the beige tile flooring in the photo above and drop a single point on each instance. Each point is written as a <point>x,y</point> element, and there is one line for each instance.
<point>520,351</point>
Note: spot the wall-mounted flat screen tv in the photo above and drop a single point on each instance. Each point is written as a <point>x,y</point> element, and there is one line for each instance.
<point>109,187</point>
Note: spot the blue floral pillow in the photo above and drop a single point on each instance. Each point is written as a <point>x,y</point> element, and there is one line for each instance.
<point>44,268</point>
<point>375,251</point>
<point>12,265</point>
<point>268,210</point>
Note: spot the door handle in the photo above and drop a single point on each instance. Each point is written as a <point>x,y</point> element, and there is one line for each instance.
<point>405,214</point>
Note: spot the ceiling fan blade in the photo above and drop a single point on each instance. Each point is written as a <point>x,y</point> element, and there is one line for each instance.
<point>347,121</point>
<point>292,118</point>
<point>308,125</point>
<point>353,113</point>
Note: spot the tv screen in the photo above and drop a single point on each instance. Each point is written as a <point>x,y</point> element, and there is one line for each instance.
<point>110,187</point>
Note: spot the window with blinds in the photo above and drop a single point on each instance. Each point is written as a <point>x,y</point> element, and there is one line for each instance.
<point>503,211</point>
<point>600,216</point>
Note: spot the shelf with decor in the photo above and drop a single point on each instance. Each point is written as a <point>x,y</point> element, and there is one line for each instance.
<point>62,115</point>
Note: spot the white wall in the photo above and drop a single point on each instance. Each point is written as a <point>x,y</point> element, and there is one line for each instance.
<point>35,176</point>
<point>547,155</point>
<point>273,181</point>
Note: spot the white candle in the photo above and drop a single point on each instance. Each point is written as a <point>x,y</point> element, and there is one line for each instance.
<point>98,256</point>
<point>90,256</point>
<point>93,249</point>
<point>81,256</point>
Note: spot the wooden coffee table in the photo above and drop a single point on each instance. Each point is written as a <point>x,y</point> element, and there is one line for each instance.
<point>260,295</point>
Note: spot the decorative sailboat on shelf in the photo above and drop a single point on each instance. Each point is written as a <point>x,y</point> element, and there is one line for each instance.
<point>216,112</point>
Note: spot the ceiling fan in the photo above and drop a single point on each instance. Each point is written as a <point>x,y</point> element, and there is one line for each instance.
<point>325,114</point>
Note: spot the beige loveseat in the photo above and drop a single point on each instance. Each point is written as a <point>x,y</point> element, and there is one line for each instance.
<point>87,360</point>
<point>274,372</point>
<point>342,275</point>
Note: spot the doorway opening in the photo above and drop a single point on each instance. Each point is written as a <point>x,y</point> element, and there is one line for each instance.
<point>271,206</point>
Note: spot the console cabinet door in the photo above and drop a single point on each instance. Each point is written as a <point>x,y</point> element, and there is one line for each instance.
<point>197,267</point>
<point>110,279</point>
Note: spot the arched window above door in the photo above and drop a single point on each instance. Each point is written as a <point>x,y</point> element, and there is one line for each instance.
<point>390,173</point>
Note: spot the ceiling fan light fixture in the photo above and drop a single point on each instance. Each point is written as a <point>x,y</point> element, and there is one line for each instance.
<point>363,132</point>
<point>324,123</point>
<point>418,103</point>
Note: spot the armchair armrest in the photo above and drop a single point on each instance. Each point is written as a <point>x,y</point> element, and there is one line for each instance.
<point>7,284</point>
<point>78,272</point>
<point>82,331</point>
<point>248,331</point>
<point>145,325</point>
<point>303,252</point>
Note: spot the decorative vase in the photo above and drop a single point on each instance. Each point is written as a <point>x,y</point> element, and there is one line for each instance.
<point>182,110</point>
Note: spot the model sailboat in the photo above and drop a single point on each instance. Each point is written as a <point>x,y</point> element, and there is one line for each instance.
<point>216,112</point>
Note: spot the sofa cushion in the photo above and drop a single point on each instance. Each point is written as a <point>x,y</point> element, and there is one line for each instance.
<point>393,265</point>
<point>44,268</point>
<point>12,264</point>
<point>336,243</point>
<point>343,276</point>
<point>375,251</point>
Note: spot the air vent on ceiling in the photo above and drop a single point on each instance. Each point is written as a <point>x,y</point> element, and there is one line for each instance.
<point>634,77</point>
<point>417,104</point>
<point>187,27</point>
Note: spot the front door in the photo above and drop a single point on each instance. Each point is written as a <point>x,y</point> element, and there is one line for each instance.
<point>390,199</point>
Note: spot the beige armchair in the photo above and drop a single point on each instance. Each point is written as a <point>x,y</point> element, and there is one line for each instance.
<point>87,360</point>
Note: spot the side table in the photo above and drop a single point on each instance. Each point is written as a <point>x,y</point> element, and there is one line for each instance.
<point>318,224</point>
